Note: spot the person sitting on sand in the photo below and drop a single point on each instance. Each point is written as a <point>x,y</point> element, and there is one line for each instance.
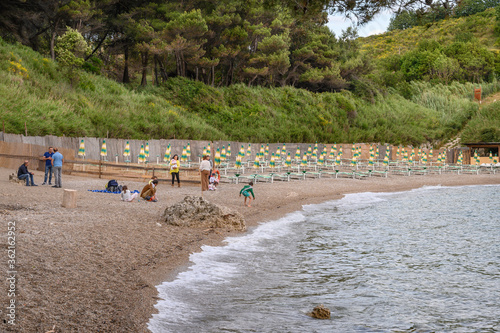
<point>246,191</point>
<point>149,191</point>
<point>127,196</point>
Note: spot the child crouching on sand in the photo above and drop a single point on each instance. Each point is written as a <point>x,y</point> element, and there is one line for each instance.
<point>246,191</point>
<point>127,196</point>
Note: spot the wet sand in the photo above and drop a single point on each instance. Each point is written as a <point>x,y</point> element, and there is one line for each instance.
<point>94,268</point>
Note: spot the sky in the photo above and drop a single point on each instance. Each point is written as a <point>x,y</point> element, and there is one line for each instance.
<point>378,25</point>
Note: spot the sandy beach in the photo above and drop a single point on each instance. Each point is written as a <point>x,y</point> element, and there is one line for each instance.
<point>94,268</point>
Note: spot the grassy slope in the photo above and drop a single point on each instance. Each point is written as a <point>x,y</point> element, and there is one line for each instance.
<point>481,25</point>
<point>50,105</point>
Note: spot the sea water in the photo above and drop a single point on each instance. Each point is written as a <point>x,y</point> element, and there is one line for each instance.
<point>426,260</point>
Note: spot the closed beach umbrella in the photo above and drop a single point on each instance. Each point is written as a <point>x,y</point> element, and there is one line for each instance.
<point>104,151</point>
<point>142,157</point>
<point>241,153</point>
<point>256,162</point>
<point>238,162</point>
<point>297,154</point>
<point>321,159</point>
<point>166,156</point>
<point>315,154</point>
<point>228,152</point>
<point>353,151</point>
<point>309,151</point>
<point>81,150</point>
<point>386,160</point>
<point>283,150</point>
<point>460,158</point>
<point>323,154</point>
<point>262,151</point>
<point>188,150</point>
<point>431,155</point>
<point>377,153</point>
<point>388,152</point>
<point>353,160</point>
<point>223,154</point>
<point>126,152</point>
<point>209,149</point>
<point>332,153</point>
<point>266,152</point>
<point>146,150</point>
<point>304,160</point>
<point>340,152</point>
<point>278,153</point>
<point>397,153</point>
<point>184,154</point>
<point>249,149</point>
<point>337,160</point>
<point>424,158</point>
<point>476,158</point>
<point>495,159</point>
<point>316,148</point>
<point>370,160</point>
<point>491,157</point>
<point>272,163</point>
<point>217,157</point>
<point>288,161</point>
<point>439,158</point>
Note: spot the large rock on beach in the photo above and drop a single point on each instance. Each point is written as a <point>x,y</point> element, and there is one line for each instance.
<point>320,312</point>
<point>197,212</point>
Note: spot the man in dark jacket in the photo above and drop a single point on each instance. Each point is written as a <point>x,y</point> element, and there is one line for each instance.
<point>23,173</point>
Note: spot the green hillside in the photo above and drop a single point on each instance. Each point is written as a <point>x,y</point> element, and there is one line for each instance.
<point>480,26</point>
<point>33,89</point>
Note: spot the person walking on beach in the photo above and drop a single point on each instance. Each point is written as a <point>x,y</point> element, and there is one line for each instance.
<point>174,169</point>
<point>57,163</point>
<point>47,157</point>
<point>24,173</point>
<point>205,173</point>
<point>246,191</point>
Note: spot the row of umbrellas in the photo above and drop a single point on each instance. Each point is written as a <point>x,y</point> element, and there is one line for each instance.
<point>221,155</point>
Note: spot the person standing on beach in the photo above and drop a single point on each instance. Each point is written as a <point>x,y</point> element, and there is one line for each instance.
<point>205,173</point>
<point>24,173</point>
<point>47,157</point>
<point>246,191</point>
<point>57,163</point>
<point>174,169</point>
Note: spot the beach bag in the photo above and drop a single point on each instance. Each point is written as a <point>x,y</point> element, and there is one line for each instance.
<point>112,185</point>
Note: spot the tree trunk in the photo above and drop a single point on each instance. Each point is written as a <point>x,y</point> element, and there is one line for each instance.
<point>145,57</point>
<point>53,40</point>
<point>126,78</point>
<point>156,69</point>
<point>163,73</point>
<point>213,75</point>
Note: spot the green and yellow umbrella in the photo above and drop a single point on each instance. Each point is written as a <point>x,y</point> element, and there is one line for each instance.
<point>283,150</point>
<point>397,154</point>
<point>217,157</point>
<point>228,152</point>
<point>126,152</point>
<point>353,150</point>
<point>316,148</point>
<point>386,160</point>
<point>188,150</point>
<point>377,153</point>
<point>304,160</point>
<point>238,162</point>
<point>205,151</point>
<point>460,158</point>
<point>146,150</point>
<point>261,151</point>
<point>184,156</point>
<point>209,149</point>
<point>288,161</point>
<point>266,152</point>
<point>315,154</point>
<point>223,154</point>
<point>81,150</point>
<point>476,158</point>
<point>340,152</point>
<point>297,154</point>
<point>337,159</point>
<point>431,155</point>
<point>354,160</point>
<point>104,151</point>
<point>309,151</point>
<point>324,152</point>
<point>241,153</point>
<point>256,162</point>
<point>278,153</point>
<point>249,149</point>
<point>321,160</point>
<point>495,159</point>
<point>272,163</point>
<point>142,157</point>
<point>387,152</point>
<point>166,156</point>
<point>424,158</point>
<point>490,157</point>
<point>370,160</point>
<point>332,153</point>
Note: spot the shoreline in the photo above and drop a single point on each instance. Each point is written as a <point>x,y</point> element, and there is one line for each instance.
<point>119,247</point>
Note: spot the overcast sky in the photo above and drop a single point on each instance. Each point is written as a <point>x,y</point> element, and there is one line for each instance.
<point>377,26</point>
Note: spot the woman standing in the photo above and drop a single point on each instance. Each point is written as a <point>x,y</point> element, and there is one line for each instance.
<point>205,171</point>
<point>174,169</point>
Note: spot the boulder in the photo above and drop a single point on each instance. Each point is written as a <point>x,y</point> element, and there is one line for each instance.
<point>13,178</point>
<point>320,312</point>
<point>197,212</point>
